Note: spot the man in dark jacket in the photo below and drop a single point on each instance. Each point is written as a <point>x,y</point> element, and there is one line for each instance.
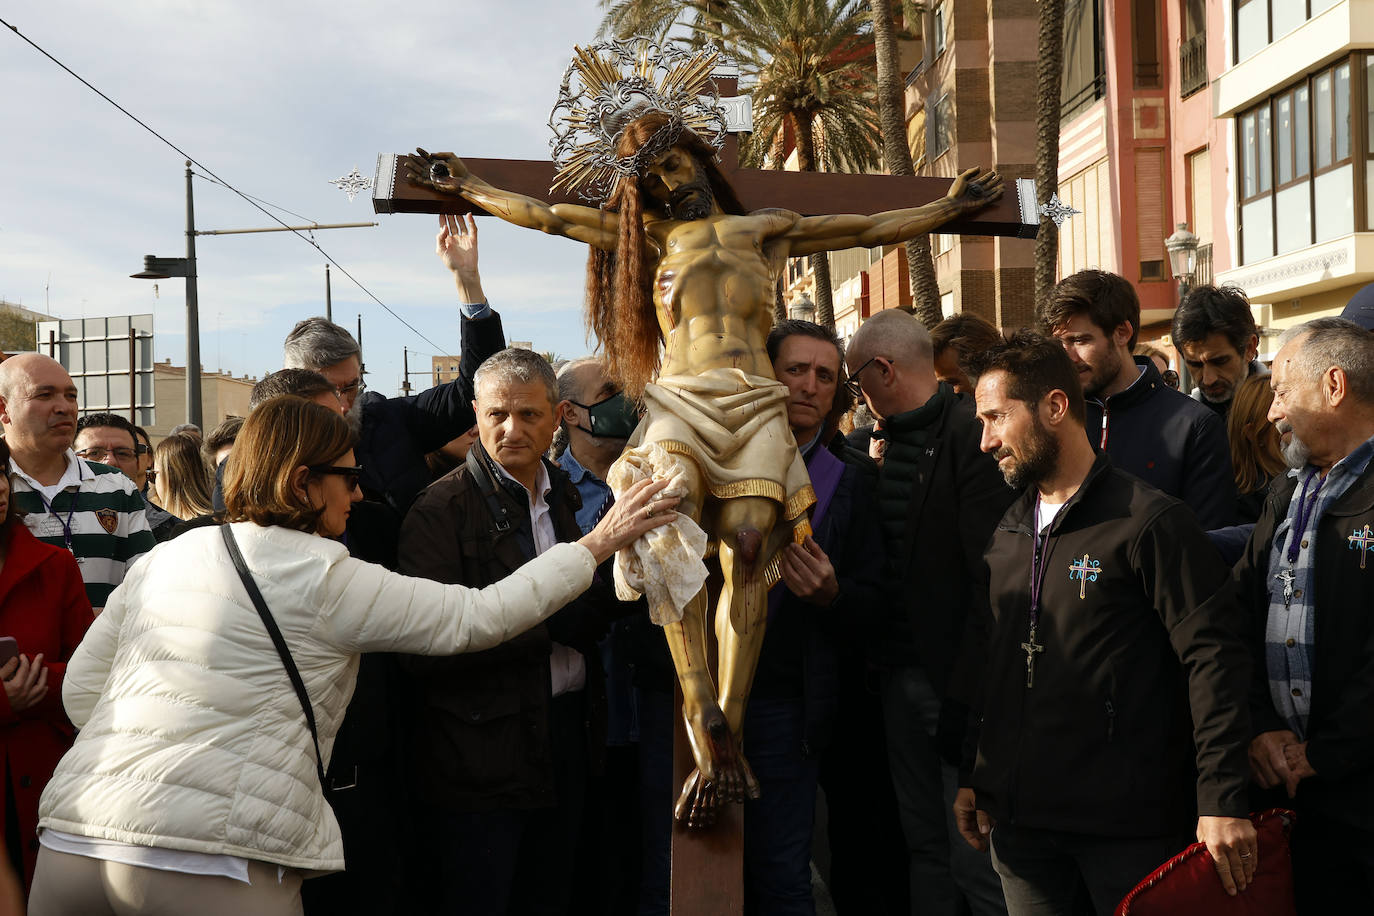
<point>813,673</point>
<point>394,434</point>
<point>1308,582</point>
<point>1113,718</point>
<point>1158,434</point>
<point>1216,334</point>
<point>501,741</point>
<point>939,499</point>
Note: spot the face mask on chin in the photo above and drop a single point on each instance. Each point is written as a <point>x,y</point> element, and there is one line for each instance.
<point>614,417</point>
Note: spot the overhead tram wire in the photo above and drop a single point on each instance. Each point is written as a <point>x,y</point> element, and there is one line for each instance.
<point>211,174</point>
<point>265,203</point>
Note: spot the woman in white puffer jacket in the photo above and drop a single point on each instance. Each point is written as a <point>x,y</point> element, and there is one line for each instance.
<point>192,786</point>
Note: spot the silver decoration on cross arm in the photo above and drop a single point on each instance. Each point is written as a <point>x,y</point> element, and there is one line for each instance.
<point>1057,210</point>
<point>352,183</point>
<point>609,85</point>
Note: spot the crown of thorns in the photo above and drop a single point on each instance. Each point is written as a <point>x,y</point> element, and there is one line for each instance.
<point>609,85</point>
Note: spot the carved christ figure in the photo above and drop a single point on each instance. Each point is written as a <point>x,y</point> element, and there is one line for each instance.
<point>680,291</point>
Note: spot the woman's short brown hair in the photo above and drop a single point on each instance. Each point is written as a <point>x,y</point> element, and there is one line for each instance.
<point>12,516</point>
<point>280,435</point>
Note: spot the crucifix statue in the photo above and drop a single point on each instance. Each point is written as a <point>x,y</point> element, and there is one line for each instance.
<point>681,285</point>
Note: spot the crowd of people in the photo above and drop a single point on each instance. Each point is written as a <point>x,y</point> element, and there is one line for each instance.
<point>1055,621</point>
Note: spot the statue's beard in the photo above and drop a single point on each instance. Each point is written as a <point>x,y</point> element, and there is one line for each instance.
<point>691,201</point>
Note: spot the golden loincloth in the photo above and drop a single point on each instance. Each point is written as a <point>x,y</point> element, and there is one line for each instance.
<point>734,428</point>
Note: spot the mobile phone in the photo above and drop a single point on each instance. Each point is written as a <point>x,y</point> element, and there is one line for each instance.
<point>9,648</point>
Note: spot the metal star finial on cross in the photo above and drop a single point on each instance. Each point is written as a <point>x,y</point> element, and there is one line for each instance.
<point>1057,210</point>
<point>352,183</point>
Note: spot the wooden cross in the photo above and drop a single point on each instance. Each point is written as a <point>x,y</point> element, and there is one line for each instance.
<point>1085,570</point>
<point>1364,540</point>
<point>807,193</point>
<point>708,864</point>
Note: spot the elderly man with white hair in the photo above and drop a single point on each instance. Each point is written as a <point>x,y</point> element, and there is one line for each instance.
<point>1308,579</point>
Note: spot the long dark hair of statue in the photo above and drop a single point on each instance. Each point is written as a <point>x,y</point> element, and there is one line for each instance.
<point>620,302</point>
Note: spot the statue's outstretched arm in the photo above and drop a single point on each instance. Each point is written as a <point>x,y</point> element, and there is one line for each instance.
<point>970,191</point>
<point>446,173</point>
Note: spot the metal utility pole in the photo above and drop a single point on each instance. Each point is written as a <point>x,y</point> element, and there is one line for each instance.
<point>328,301</point>
<point>155,268</point>
<point>405,371</point>
<point>193,405</point>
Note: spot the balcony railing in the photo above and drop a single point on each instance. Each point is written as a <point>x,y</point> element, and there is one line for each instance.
<point>1192,65</point>
<point>1202,267</point>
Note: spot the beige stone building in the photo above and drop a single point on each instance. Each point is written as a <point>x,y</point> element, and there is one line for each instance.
<point>221,395</point>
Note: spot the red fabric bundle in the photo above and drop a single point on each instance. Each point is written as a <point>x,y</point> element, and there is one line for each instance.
<point>1188,883</point>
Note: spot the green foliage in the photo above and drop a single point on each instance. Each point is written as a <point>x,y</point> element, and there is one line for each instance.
<point>656,18</point>
<point>810,67</point>
<point>17,333</point>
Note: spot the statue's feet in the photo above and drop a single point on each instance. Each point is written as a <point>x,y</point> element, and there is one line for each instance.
<point>697,803</point>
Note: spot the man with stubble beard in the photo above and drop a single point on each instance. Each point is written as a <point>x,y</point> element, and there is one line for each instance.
<point>1158,434</point>
<point>1113,721</point>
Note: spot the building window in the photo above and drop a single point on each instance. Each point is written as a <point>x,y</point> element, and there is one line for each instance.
<point>1369,142</point>
<point>1297,156</point>
<point>1192,50</point>
<point>939,29</point>
<point>941,125</point>
<point>1085,75</point>
<point>1261,22</point>
<point>1145,43</point>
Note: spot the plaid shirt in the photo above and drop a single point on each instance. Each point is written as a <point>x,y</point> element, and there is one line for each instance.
<point>1289,636</point>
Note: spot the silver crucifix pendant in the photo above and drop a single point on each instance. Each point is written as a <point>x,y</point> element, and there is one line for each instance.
<point>1031,647</point>
<point>1287,578</point>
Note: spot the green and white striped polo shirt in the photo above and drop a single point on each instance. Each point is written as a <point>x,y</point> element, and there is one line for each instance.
<point>96,513</point>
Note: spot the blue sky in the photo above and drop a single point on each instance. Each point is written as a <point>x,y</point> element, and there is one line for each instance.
<point>277,98</point>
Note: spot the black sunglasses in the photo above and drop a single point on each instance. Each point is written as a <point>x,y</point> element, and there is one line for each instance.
<point>350,473</point>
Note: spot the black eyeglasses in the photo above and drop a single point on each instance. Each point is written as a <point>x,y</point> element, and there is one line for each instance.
<point>350,474</point>
<point>851,384</point>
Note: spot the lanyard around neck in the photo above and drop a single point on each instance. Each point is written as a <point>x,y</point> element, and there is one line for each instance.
<point>1304,517</point>
<point>66,525</point>
<point>1040,561</point>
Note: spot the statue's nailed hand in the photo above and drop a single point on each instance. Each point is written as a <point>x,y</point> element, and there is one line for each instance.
<point>975,189</point>
<point>443,172</point>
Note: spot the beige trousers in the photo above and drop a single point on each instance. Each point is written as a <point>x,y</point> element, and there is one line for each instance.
<point>68,885</point>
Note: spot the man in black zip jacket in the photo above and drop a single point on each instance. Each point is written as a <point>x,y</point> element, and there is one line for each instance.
<point>1114,716</point>
<point>1156,433</point>
<point>501,743</point>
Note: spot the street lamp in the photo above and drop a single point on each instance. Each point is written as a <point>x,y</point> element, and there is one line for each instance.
<point>155,268</point>
<point>1182,248</point>
<point>802,309</point>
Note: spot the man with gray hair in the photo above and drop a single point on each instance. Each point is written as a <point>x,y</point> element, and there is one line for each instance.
<point>499,745</point>
<point>1308,580</point>
<point>394,434</point>
<point>939,498</point>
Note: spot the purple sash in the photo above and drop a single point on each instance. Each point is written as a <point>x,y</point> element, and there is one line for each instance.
<point>825,470</point>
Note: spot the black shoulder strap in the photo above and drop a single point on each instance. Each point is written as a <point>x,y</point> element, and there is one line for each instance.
<point>277,640</point>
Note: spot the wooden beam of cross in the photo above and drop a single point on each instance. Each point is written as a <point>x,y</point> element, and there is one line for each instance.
<point>807,193</point>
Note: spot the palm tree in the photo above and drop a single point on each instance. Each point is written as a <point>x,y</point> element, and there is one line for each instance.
<point>653,18</point>
<point>925,292</point>
<point>808,61</point>
<point>1049,82</point>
